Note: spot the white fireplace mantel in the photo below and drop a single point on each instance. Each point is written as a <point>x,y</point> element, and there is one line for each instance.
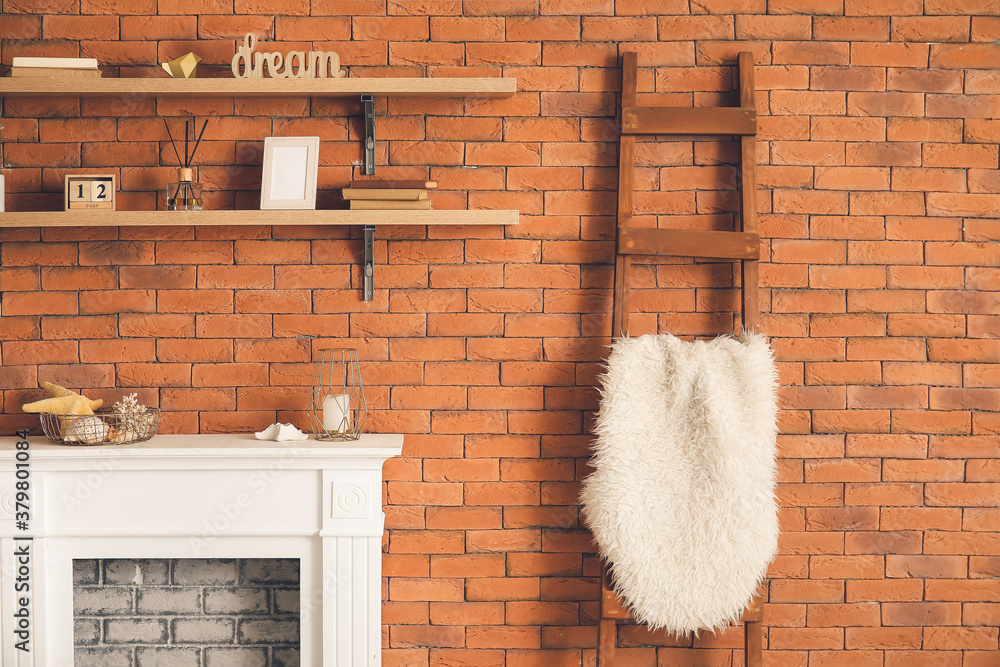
<point>201,496</point>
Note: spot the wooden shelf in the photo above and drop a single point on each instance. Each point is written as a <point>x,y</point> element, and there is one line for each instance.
<point>104,218</point>
<point>223,87</point>
<point>139,88</point>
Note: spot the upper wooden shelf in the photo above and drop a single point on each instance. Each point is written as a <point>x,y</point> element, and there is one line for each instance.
<point>105,218</point>
<point>349,87</point>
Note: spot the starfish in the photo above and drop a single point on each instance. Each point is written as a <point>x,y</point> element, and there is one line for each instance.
<point>61,405</point>
<point>55,391</point>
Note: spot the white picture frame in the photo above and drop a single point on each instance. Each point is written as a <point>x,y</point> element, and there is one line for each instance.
<point>289,177</point>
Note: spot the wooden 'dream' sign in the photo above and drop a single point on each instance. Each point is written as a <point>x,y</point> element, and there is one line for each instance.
<point>297,64</point>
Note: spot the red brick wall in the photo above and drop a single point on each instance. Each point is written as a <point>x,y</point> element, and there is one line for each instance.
<point>878,171</point>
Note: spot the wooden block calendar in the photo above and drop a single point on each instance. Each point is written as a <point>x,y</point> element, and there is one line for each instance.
<point>90,191</point>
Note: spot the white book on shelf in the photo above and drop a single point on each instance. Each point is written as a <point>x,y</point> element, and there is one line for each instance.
<point>69,63</point>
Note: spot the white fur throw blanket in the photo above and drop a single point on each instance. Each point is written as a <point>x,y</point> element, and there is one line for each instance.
<point>681,501</point>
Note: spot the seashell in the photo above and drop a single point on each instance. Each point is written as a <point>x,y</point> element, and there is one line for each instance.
<point>124,435</point>
<point>280,433</point>
<point>88,430</point>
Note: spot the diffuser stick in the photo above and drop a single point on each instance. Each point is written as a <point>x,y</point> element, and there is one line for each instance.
<point>172,141</point>
<point>186,163</point>
<point>198,143</point>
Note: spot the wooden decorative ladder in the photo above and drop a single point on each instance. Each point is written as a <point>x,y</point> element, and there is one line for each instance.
<point>742,246</point>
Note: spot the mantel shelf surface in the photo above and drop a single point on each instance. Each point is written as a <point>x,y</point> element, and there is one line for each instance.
<point>178,451</point>
<point>223,87</point>
<point>104,218</point>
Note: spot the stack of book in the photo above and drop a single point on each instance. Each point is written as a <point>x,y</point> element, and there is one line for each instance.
<point>47,68</point>
<point>389,195</point>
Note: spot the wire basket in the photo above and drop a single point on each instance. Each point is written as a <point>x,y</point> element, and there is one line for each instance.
<point>104,427</point>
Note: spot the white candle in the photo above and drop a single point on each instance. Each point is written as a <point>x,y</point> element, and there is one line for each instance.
<point>337,413</point>
<point>3,194</point>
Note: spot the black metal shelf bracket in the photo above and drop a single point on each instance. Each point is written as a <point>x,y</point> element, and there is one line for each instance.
<point>369,267</point>
<point>368,106</point>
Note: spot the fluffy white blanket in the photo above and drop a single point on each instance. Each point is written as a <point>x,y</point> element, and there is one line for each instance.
<point>681,501</point>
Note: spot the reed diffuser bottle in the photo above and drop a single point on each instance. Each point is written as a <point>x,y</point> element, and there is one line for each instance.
<point>185,194</point>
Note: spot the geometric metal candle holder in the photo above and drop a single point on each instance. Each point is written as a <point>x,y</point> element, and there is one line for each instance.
<point>337,407</point>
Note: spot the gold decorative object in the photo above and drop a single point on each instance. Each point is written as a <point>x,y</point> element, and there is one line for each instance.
<point>185,67</point>
<point>297,65</point>
<point>337,407</point>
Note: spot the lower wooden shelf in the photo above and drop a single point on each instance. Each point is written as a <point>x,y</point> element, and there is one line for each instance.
<point>162,86</point>
<point>99,218</point>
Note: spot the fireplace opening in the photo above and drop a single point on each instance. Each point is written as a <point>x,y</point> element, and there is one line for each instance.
<point>187,612</point>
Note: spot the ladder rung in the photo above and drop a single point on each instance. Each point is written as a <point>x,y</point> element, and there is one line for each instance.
<point>613,607</point>
<point>689,120</point>
<point>688,243</point>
